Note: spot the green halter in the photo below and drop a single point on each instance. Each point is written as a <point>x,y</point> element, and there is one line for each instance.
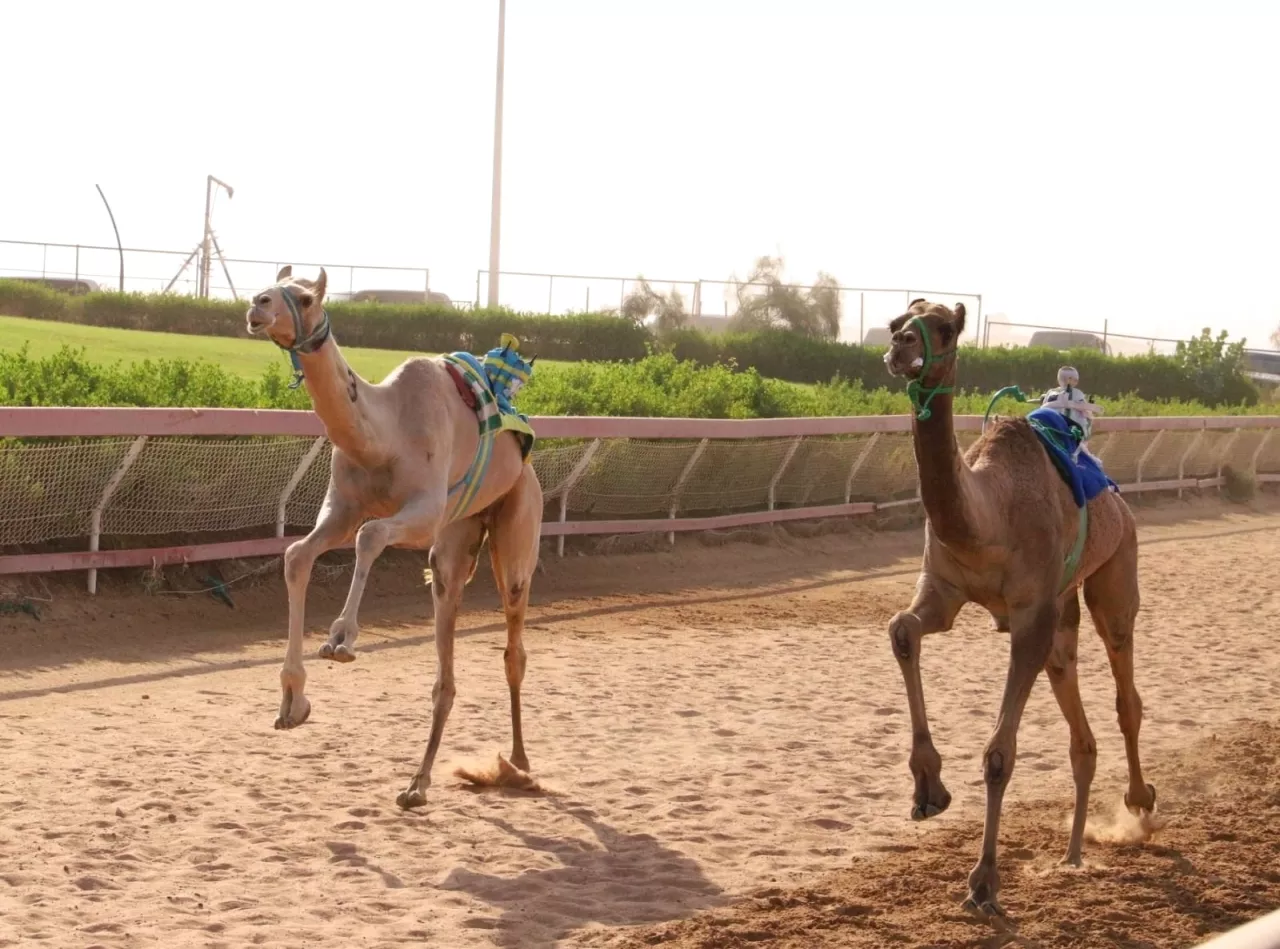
<point>308,344</point>
<point>914,388</point>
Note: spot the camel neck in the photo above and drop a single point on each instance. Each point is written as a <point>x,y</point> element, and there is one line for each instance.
<point>338,396</point>
<point>944,476</point>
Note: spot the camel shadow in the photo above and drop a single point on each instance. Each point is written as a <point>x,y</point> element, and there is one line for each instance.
<point>628,880</point>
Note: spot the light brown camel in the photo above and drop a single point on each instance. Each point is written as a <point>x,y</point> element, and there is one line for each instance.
<point>397,447</point>
<point>1000,528</point>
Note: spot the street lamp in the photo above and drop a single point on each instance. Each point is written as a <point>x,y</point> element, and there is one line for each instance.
<point>495,211</point>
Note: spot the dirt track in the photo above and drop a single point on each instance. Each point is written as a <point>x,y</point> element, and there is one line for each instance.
<point>722,732</point>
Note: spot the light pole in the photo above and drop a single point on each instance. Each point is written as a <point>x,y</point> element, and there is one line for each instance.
<point>495,212</point>
<point>119,246</point>
<point>206,263</point>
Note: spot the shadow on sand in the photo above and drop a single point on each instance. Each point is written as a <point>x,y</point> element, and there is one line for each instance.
<point>627,880</point>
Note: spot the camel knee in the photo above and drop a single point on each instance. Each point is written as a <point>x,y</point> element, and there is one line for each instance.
<point>997,766</point>
<point>371,539</point>
<point>1129,710</point>
<point>297,563</point>
<point>904,636</point>
<point>443,693</point>
<point>515,660</point>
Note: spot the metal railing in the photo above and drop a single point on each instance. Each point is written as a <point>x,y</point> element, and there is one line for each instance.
<point>124,473</point>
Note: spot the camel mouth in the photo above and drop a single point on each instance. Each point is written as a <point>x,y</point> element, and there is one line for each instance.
<point>256,327</point>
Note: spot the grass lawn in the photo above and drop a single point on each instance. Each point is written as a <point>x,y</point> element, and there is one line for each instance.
<point>243,357</point>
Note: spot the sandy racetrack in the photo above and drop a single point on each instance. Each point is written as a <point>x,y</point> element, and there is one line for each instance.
<point>719,730</point>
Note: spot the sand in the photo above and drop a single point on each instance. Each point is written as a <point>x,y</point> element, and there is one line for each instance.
<point>721,732</point>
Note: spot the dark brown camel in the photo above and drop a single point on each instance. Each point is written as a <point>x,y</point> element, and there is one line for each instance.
<point>1000,530</point>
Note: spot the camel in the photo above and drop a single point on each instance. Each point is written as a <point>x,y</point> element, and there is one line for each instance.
<point>1001,530</point>
<point>398,446</point>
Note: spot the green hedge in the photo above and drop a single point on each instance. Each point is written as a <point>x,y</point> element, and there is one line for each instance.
<point>431,328</point>
<point>796,358</point>
<point>598,337</point>
<point>657,386</point>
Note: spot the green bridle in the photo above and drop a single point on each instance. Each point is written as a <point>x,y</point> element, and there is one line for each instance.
<point>915,389</point>
<point>302,344</point>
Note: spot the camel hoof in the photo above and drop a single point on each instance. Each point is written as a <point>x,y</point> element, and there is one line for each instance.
<point>344,653</point>
<point>408,800</point>
<point>1148,808</point>
<point>987,909</point>
<point>520,761</point>
<point>326,651</point>
<point>1073,860</point>
<point>284,723</point>
<point>931,808</point>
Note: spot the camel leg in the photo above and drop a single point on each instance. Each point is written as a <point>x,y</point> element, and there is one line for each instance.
<point>412,526</point>
<point>1061,669</point>
<point>332,529</point>
<point>1030,640</point>
<point>1111,593</point>
<point>931,611</point>
<point>452,562</point>
<point>513,550</point>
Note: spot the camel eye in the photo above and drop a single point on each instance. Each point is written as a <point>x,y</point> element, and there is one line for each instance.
<point>264,300</point>
<point>908,337</point>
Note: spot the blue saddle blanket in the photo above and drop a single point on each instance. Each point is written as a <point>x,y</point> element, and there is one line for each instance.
<point>1082,473</point>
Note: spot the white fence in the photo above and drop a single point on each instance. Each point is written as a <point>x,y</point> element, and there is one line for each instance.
<point>165,486</point>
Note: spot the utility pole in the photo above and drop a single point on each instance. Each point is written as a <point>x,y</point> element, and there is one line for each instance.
<point>206,258</point>
<point>495,213</point>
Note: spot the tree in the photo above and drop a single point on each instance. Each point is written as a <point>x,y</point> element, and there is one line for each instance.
<point>765,302</point>
<point>667,309</point>
<point>1211,363</point>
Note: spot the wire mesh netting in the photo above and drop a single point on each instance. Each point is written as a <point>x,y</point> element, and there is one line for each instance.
<point>51,488</point>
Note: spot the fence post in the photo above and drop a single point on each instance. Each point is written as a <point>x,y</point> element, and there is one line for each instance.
<point>551,288</point>
<point>77,283</point>
<point>1257,452</point>
<point>1142,461</point>
<point>786,460</point>
<point>294,480</point>
<point>1226,453</point>
<point>95,524</point>
<point>679,485</point>
<point>478,273</point>
<point>427,273</point>
<point>857,466</point>
<point>569,483</point>
<point>1182,462</point>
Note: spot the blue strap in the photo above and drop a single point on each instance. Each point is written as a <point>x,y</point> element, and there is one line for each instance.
<point>308,344</point>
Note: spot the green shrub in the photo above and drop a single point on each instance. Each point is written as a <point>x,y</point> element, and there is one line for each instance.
<point>657,386</point>
<point>1204,372</point>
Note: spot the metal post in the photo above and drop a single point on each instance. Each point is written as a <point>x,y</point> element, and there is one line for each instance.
<point>588,309</point>
<point>427,289</point>
<point>786,460</point>
<point>569,483</point>
<point>1257,452</point>
<point>977,330</point>
<point>862,316</point>
<point>679,485</point>
<point>478,273</point>
<point>495,211</point>
<point>857,466</point>
<point>77,284</point>
<point>202,285</point>
<point>1226,453</point>
<point>1142,461</point>
<point>351,282</point>
<point>1182,462</point>
<point>95,524</point>
<point>551,286</point>
<point>294,480</point>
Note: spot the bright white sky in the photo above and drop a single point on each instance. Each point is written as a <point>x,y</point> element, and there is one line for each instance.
<point>1072,168</point>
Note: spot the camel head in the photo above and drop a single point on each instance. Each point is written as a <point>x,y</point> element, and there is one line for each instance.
<point>291,313</point>
<point>923,345</point>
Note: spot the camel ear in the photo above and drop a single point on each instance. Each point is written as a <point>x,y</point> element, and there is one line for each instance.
<point>285,271</point>
<point>914,302</point>
<point>959,321</point>
<point>321,281</point>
